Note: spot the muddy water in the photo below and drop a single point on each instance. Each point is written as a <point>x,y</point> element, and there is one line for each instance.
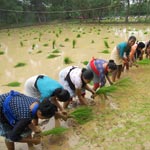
<point>23,45</point>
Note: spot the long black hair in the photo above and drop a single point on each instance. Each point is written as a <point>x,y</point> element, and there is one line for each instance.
<point>47,109</point>
<point>62,94</point>
<point>112,65</point>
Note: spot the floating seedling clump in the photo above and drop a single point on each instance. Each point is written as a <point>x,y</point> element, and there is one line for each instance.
<point>13,84</point>
<point>20,64</point>
<point>67,60</point>
<point>52,56</point>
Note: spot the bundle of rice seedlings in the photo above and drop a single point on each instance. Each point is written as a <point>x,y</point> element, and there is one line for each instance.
<point>53,44</point>
<point>52,56</point>
<point>67,60</point>
<point>85,62</point>
<point>13,84</point>
<point>125,82</point>
<point>56,51</point>
<point>20,64</point>
<point>106,89</point>
<point>122,83</point>
<point>106,44</point>
<point>1,52</point>
<point>74,43</point>
<point>82,114</point>
<point>105,51</point>
<point>46,44</point>
<point>144,62</point>
<point>54,131</point>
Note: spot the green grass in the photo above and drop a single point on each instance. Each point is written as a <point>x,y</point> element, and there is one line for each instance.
<point>20,64</point>
<point>67,60</point>
<point>13,84</point>
<point>52,56</point>
<point>82,114</point>
<point>54,131</point>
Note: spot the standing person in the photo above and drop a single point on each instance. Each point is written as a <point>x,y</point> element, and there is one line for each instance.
<point>147,50</point>
<point>136,49</point>
<point>19,116</point>
<point>120,55</point>
<point>75,80</point>
<point>100,69</point>
<point>42,86</point>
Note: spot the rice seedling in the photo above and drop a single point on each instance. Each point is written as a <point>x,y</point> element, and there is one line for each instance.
<point>144,62</point>
<point>20,64</point>
<point>145,32</point>
<point>73,43</point>
<point>66,40</point>
<point>52,56</point>
<point>92,41</point>
<point>46,44</point>
<point>61,45</point>
<point>57,35</point>
<point>2,52</point>
<point>56,51</point>
<point>33,46</point>
<point>82,114</point>
<point>123,83</point>
<point>54,131</point>
<point>105,51</point>
<point>106,38</point>
<point>13,84</point>
<point>78,36</point>
<point>21,43</point>
<point>85,62</point>
<point>106,90</point>
<point>53,44</point>
<point>39,51</point>
<point>106,44</point>
<point>67,60</point>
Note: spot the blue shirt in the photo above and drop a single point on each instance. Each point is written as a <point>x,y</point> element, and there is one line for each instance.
<point>122,47</point>
<point>20,105</point>
<point>99,66</point>
<point>47,86</point>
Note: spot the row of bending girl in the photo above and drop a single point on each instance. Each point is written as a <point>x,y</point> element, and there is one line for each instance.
<point>42,98</point>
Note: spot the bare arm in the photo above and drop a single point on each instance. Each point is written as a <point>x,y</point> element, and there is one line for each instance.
<point>82,100</point>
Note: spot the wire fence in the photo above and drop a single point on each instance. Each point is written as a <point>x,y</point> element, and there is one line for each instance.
<point>107,14</point>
